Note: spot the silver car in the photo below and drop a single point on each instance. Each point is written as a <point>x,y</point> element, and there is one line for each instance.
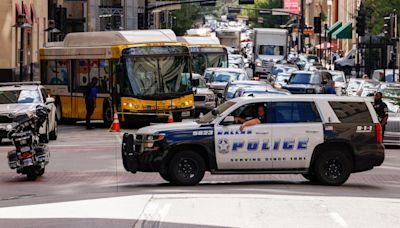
<point>221,76</point>
<point>24,97</point>
<point>204,98</point>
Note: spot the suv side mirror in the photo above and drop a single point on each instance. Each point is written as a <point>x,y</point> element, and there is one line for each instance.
<point>219,95</point>
<point>286,81</point>
<point>50,100</point>
<point>215,112</point>
<point>228,120</point>
<point>324,82</point>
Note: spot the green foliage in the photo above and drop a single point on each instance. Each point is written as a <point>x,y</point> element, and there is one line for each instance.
<point>185,18</point>
<point>270,21</point>
<point>376,10</point>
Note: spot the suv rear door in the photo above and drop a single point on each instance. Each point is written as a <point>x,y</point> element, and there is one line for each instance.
<point>296,130</point>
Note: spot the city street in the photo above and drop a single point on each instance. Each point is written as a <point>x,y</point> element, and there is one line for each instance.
<point>85,185</point>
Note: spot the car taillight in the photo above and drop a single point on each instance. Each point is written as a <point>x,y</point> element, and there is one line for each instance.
<point>378,132</point>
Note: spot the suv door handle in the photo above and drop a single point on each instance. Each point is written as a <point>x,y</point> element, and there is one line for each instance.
<point>312,131</point>
<point>262,133</point>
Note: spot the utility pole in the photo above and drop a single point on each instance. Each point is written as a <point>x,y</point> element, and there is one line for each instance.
<point>395,39</point>
<point>88,17</point>
<point>301,35</point>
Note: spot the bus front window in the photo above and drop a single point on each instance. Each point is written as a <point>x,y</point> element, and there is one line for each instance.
<point>217,60</point>
<point>163,76</point>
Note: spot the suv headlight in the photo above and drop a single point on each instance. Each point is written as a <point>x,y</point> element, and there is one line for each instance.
<point>150,141</point>
<point>258,63</point>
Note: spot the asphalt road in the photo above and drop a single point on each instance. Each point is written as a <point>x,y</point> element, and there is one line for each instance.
<point>85,185</point>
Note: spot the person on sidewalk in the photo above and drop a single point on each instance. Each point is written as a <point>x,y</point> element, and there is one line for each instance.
<point>90,100</point>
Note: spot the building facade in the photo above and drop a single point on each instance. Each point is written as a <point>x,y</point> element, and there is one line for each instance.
<point>33,36</point>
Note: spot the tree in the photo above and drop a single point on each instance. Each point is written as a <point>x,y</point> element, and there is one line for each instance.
<point>270,21</point>
<point>376,11</point>
<point>185,18</point>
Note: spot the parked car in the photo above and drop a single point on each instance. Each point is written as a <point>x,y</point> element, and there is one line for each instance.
<point>22,97</point>
<point>353,86</point>
<point>368,88</point>
<point>204,98</point>
<point>221,76</point>
<point>391,94</point>
<point>311,82</point>
<point>385,75</point>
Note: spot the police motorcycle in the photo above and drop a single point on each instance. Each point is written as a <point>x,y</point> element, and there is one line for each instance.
<point>29,157</point>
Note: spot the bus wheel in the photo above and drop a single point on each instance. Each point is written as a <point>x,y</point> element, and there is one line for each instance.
<point>107,114</point>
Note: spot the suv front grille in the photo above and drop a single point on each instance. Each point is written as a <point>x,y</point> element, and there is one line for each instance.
<point>267,64</point>
<point>199,98</point>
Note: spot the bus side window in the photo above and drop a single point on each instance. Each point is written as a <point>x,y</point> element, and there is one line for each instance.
<point>83,75</point>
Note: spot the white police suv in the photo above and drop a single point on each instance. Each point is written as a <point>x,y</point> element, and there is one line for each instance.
<point>325,138</point>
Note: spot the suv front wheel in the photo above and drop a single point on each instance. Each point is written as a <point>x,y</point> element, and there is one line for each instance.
<point>332,167</point>
<point>186,168</point>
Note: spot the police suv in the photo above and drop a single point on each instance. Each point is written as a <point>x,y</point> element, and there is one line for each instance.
<point>325,138</point>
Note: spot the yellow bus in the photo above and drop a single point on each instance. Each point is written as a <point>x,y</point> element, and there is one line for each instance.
<point>206,51</point>
<point>142,75</point>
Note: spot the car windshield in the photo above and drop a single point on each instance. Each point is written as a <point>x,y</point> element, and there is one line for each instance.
<point>304,78</point>
<point>338,77</point>
<point>354,84</point>
<point>19,96</point>
<point>149,76</point>
<point>209,117</point>
<point>225,76</point>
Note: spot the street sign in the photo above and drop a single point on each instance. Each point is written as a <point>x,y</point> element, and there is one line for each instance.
<point>260,20</point>
<point>278,12</point>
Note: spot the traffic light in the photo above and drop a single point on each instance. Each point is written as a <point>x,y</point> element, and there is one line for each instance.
<point>317,25</point>
<point>360,23</point>
<point>388,26</point>
<point>246,2</point>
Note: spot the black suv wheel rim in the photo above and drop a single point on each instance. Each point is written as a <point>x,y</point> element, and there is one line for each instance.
<point>187,168</point>
<point>333,168</point>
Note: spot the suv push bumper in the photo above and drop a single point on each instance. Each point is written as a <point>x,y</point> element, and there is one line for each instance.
<point>134,158</point>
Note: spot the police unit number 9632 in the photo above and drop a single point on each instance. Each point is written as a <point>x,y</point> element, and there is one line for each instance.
<point>323,138</point>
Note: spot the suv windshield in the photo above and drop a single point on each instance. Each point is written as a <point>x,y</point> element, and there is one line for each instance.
<point>19,96</point>
<point>225,76</point>
<point>209,117</point>
<point>150,76</point>
<point>271,50</point>
<point>304,78</point>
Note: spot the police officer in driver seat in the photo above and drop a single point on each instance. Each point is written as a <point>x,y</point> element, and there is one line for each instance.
<point>259,118</point>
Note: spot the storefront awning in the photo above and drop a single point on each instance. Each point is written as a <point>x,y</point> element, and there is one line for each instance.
<point>344,32</point>
<point>334,28</point>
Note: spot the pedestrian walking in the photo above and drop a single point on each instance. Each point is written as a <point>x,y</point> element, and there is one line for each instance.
<point>90,100</point>
<point>381,110</point>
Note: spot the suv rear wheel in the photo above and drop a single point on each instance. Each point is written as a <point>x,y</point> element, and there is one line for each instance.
<point>333,167</point>
<point>186,168</point>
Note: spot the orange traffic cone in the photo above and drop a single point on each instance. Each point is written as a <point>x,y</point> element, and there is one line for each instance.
<point>170,118</point>
<point>115,125</point>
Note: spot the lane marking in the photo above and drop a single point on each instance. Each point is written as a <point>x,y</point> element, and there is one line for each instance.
<point>338,219</point>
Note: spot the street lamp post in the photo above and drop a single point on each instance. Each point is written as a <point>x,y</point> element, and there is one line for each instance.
<point>22,24</point>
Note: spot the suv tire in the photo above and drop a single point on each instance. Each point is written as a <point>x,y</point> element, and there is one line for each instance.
<point>310,177</point>
<point>165,176</point>
<point>333,167</point>
<point>186,168</point>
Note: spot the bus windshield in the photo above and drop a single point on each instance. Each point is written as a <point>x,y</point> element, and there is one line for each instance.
<point>165,76</point>
<point>201,61</point>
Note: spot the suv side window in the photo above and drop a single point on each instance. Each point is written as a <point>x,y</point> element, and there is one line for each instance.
<point>247,111</point>
<point>351,112</point>
<point>293,112</point>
